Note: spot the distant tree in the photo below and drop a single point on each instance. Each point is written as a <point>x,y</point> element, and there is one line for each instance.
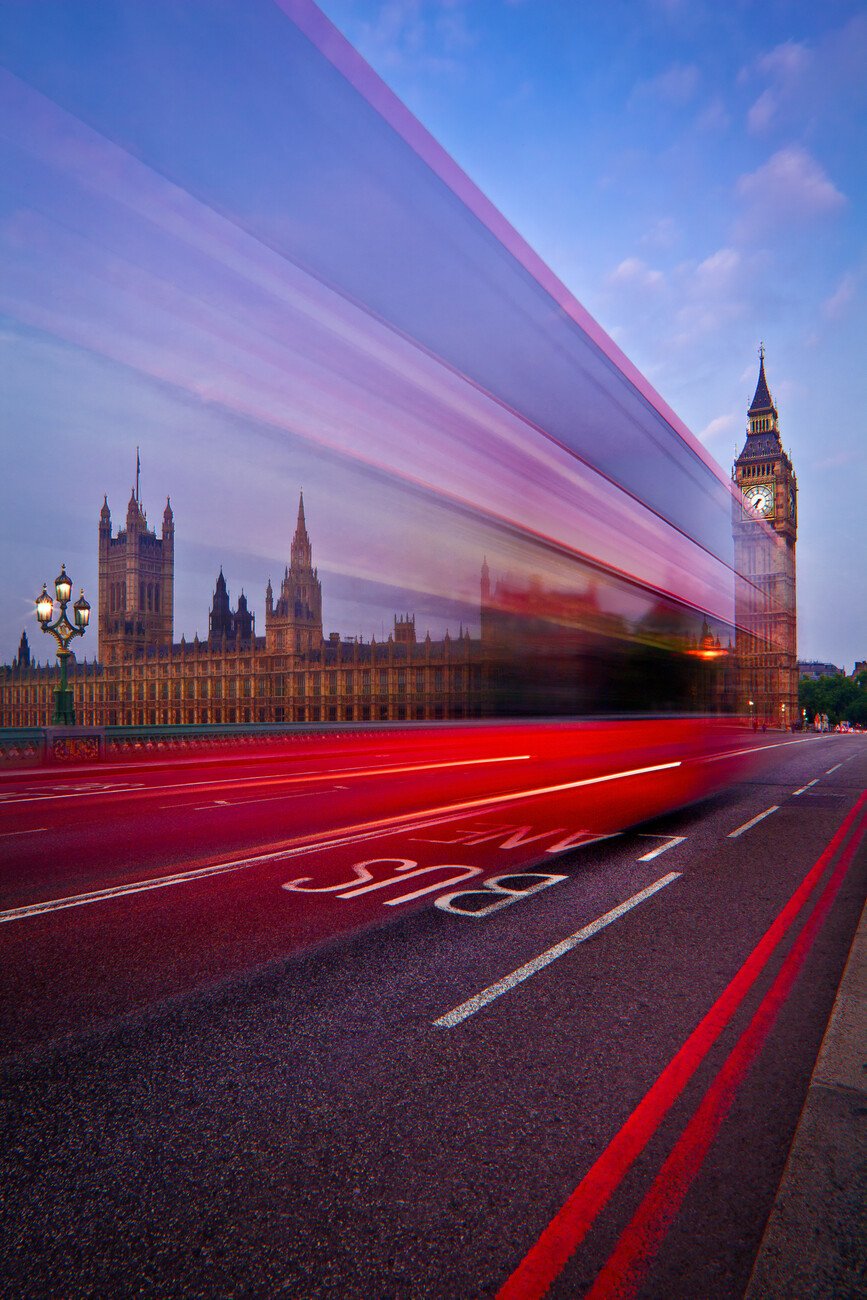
<point>844,699</point>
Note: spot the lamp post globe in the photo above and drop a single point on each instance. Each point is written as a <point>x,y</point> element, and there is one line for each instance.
<point>82,612</point>
<point>63,632</point>
<point>63,585</point>
<point>44,605</point>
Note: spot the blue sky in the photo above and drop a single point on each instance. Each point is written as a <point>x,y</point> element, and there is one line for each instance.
<point>694,173</point>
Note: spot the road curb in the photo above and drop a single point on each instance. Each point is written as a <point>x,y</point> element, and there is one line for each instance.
<point>814,1240</point>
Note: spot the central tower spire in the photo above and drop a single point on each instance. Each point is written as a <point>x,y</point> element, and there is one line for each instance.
<point>301,551</point>
<point>294,623</point>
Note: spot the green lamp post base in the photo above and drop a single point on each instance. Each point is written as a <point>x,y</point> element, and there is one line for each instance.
<point>64,708</point>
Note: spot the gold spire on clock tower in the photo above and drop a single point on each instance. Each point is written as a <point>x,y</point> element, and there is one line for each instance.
<point>765,531</point>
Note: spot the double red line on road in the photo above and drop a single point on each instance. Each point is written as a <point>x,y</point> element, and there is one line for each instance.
<point>623,1272</point>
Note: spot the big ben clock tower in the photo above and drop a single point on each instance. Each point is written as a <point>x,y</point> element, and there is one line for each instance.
<point>765,531</point>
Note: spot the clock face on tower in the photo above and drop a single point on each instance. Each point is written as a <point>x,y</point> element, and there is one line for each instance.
<point>761,498</point>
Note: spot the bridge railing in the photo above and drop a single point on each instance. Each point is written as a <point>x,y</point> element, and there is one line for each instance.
<point>33,746</point>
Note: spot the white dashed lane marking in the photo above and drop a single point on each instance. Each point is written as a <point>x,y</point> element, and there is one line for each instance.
<point>663,848</point>
<point>732,835</point>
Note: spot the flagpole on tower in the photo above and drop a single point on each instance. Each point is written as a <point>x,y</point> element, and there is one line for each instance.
<point>137,474</point>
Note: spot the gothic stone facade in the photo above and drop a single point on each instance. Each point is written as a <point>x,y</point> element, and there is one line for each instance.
<point>291,674</point>
<point>136,584</point>
<point>765,605</point>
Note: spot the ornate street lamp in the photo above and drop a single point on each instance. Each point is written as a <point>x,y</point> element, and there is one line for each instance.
<point>63,632</point>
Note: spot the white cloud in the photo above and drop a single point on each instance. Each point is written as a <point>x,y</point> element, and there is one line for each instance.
<point>796,87</point>
<point>718,270</point>
<point>429,34</point>
<point>786,60</point>
<point>452,29</point>
<point>712,294</point>
<point>781,75</point>
<point>791,187</point>
<point>835,306</point>
<point>718,426</point>
<point>664,234</point>
<point>763,112</point>
<point>632,271</point>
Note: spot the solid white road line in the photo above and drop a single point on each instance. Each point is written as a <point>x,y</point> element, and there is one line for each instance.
<point>36,831</point>
<point>494,991</point>
<point>805,787</point>
<point>322,840</point>
<point>753,821</point>
<point>663,848</point>
<point>294,850</point>
<point>752,749</point>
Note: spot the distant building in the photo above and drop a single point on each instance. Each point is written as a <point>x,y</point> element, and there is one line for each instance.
<point>860,667</point>
<point>291,674</point>
<point>811,669</point>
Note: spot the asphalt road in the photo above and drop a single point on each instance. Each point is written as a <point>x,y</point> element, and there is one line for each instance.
<point>210,838</point>
<point>576,1070</point>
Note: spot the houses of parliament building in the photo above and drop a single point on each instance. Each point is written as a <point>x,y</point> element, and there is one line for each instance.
<point>540,652</point>
<point>293,673</point>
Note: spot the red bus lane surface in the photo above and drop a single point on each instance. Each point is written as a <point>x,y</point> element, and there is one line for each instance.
<point>224,863</point>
